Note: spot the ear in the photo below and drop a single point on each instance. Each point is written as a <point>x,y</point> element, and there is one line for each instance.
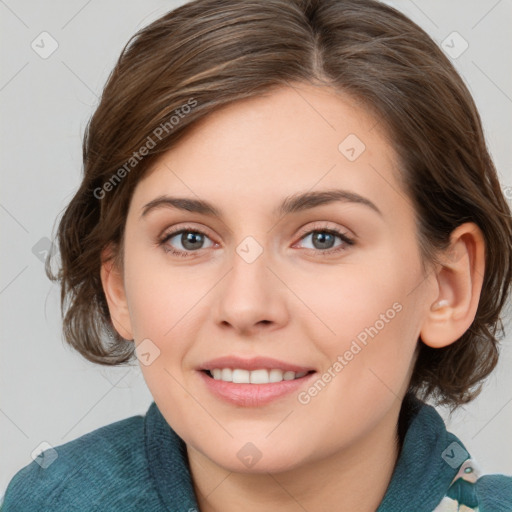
<point>459,282</point>
<point>113,287</point>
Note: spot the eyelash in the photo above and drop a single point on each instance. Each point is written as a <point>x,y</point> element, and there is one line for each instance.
<point>189,229</point>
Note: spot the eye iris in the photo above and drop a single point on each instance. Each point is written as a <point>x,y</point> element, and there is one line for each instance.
<point>188,239</point>
<point>323,239</point>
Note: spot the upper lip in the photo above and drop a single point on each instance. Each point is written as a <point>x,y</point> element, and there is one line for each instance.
<point>253,363</point>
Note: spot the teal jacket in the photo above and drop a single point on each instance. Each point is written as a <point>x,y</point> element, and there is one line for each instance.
<point>140,464</point>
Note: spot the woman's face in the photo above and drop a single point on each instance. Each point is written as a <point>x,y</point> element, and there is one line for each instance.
<point>263,281</point>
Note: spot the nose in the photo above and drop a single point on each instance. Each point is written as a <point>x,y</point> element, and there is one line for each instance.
<point>251,299</point>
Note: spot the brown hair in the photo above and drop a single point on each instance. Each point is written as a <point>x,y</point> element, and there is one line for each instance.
<point>209,53</point>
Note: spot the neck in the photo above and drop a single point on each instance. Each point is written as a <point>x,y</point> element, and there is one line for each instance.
<point>353,478</point>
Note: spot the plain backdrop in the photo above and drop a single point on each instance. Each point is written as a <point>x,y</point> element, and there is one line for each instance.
<point>49,393</point>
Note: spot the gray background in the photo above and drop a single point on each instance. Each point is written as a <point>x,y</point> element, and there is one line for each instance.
<point>49,393</point>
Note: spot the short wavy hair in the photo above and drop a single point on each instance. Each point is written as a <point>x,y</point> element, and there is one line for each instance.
<point>222,51</point>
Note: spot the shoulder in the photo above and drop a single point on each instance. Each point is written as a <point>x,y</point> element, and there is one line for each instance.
<point>104,468</point>
<point>436,472</point>
<point>494,493</point>
<point>476,492</point>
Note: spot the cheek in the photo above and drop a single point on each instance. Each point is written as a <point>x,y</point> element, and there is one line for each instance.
<point>368,317</point>
<point>160,297</point>
<point>345,300</point>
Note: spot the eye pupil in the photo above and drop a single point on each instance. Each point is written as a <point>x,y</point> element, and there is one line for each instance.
<point>189,238</point>
<point>324,239</point>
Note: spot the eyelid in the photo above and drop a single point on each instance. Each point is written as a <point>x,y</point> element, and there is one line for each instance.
<point>178,228</point>
<point>325,225</point>
<point>318,225</point>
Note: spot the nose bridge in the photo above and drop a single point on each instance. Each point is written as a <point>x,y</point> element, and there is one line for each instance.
<point>250,294</point>
<point>247,283</point>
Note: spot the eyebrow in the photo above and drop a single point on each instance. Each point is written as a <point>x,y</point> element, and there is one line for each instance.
<point>292,204</point>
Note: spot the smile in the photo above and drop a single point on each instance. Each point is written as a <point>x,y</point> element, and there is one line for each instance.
<point>253,382</point>
<point>261,376</point>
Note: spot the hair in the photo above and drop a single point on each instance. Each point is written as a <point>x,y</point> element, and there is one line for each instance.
<point>211,53</point>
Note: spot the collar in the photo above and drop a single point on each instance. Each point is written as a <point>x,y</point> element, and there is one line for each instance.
<point>429,459</point>
<point>422,474</point>
<point>168,463</point>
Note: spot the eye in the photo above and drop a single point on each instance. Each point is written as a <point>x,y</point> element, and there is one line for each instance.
<point>324,240</point>
<point>190,240</point>
<point>186,240</point>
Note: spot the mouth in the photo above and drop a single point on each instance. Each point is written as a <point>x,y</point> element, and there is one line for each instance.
<point>253,382</point>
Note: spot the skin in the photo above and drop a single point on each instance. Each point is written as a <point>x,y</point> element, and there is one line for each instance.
<point>293,303</point>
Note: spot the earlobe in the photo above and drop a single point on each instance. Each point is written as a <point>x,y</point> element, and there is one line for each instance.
<point>459,282</point>
<point>113,287</point>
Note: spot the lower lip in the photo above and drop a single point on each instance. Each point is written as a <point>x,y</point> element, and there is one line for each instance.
<point>252,395</point>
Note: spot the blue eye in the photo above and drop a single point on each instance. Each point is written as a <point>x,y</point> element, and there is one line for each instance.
<point>193,240</point>
<point>190,240</point>
<point>324,240</point>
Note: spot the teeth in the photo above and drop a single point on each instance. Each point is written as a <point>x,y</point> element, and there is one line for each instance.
<point>241,376</point>
<point>275,375</point>
<point>258,377</point>
<point>262,376</point>
<point>226,374</point>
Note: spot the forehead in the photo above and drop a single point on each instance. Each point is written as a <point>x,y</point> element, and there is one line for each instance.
<point>293,139</point>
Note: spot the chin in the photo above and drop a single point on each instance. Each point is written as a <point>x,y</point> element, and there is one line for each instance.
<point>250,459</point>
